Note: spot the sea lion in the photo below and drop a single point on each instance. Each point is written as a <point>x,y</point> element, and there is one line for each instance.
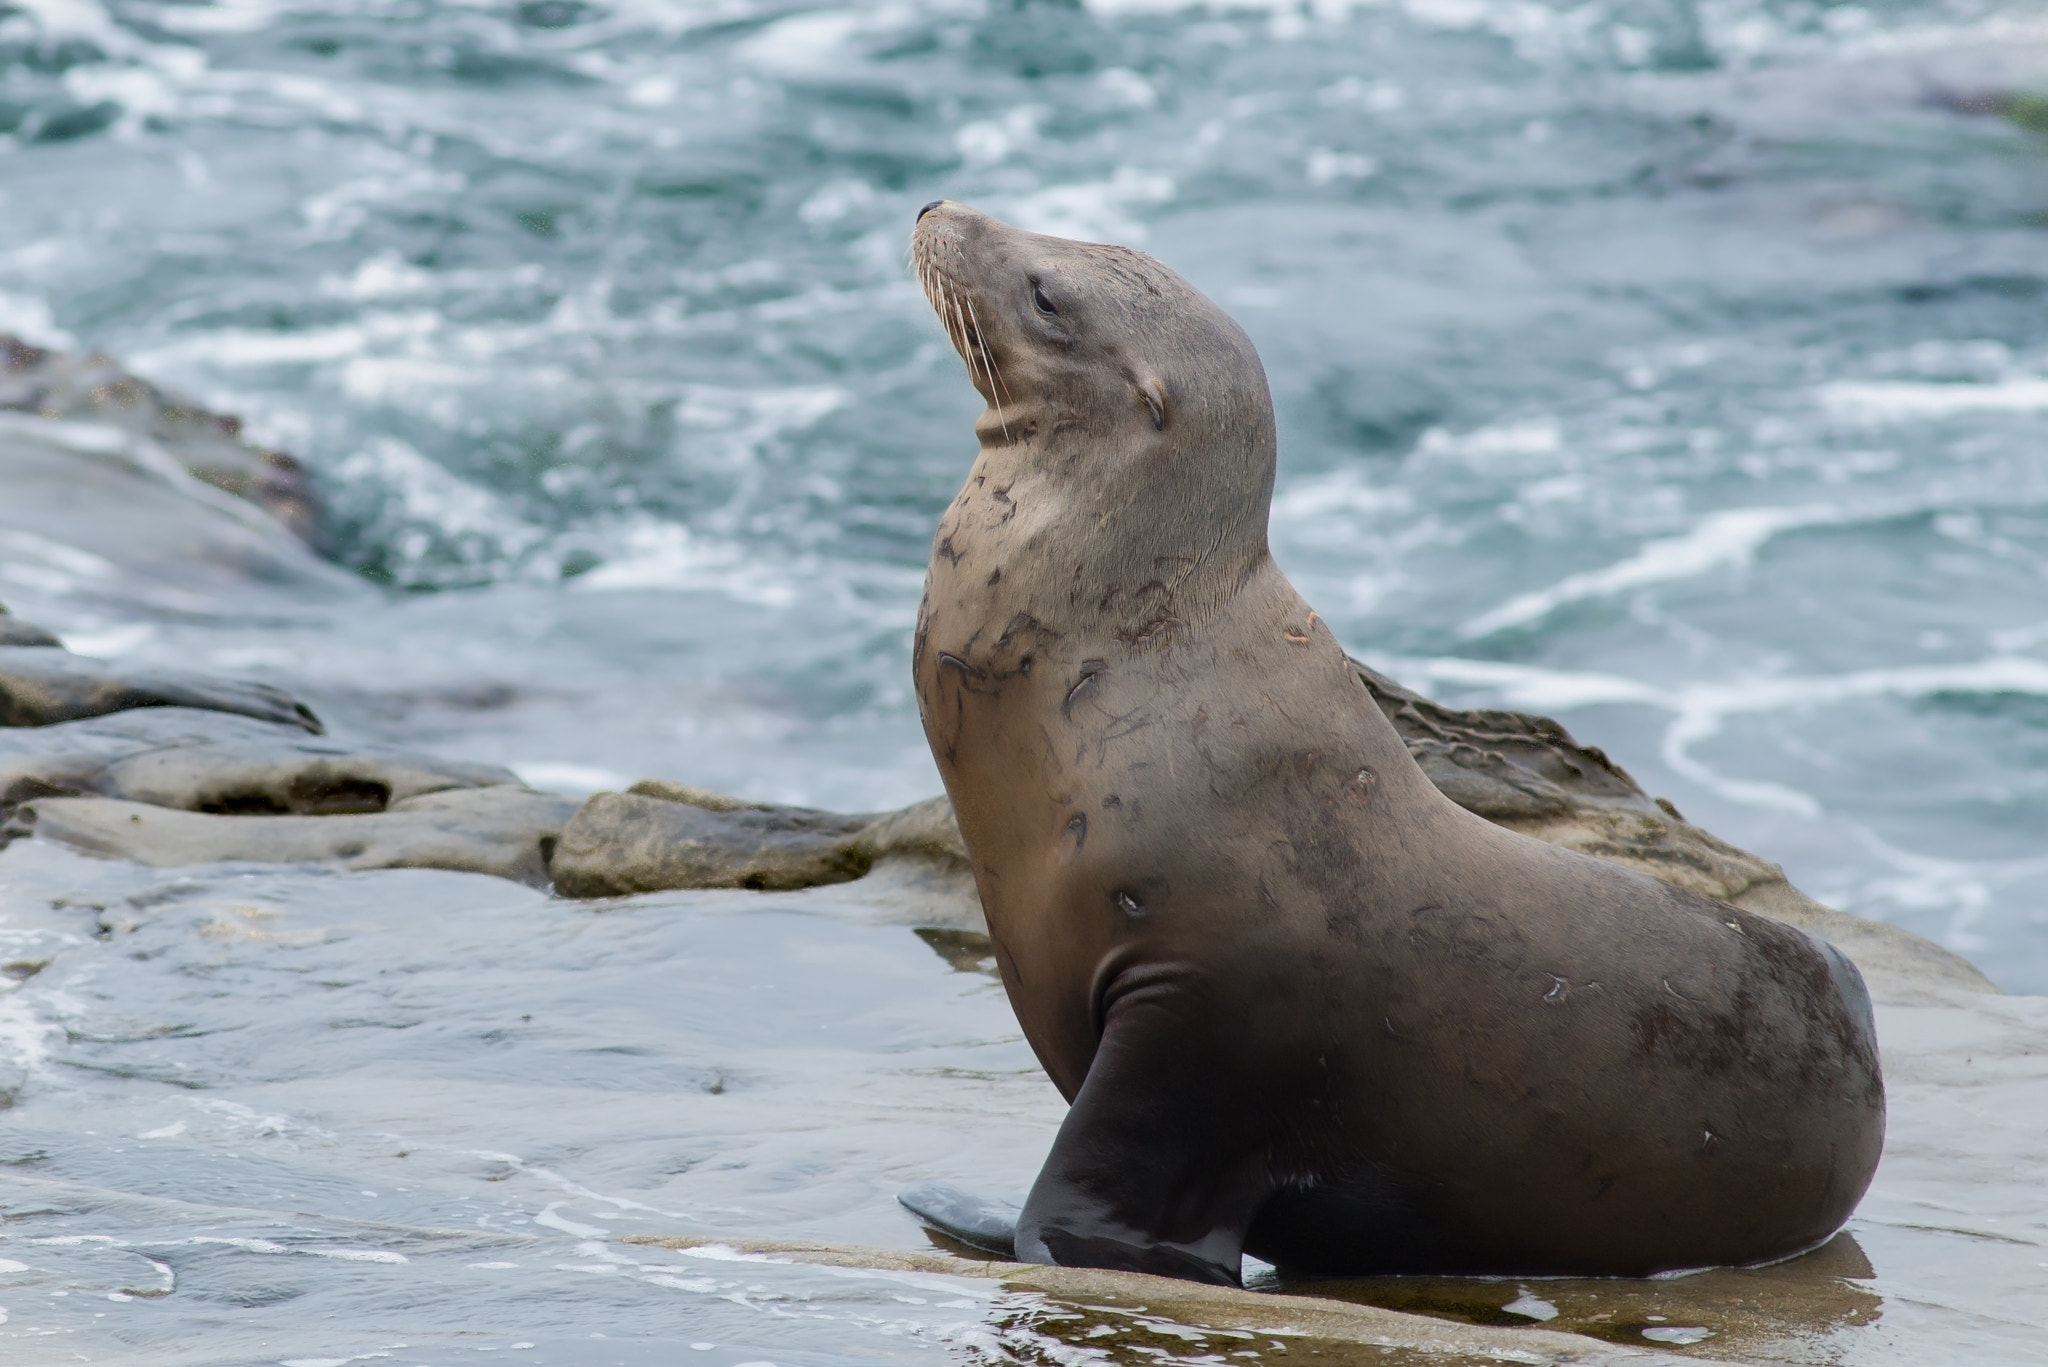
<point>1302,1004</point>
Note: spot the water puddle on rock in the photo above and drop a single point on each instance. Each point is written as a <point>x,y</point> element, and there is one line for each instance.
<point>1808,1310</point>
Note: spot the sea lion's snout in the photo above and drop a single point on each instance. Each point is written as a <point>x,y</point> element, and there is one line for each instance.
<point>1090,345</point>
<point>928,208</point>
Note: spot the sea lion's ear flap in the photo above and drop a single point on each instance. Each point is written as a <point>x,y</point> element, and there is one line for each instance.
<point>1154,395</point>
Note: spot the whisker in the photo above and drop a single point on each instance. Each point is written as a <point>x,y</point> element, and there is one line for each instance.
<point>960,318</point>
<point>963,329</point>
<point>970,339</point>
<point>995,383</point>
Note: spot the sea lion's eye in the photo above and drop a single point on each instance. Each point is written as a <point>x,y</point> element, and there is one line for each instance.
<point>1043,304</point>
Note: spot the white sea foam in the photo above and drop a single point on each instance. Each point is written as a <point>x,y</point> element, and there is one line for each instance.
<point>747,418</point>
<point>725,1253</point>
<point>222,16</point>
<point>551,1220</point>
<point>576,1189</point>
<point>242,347</point>
<point>811,43</point>
<point>1528,437</point>
<point>666,555</point>
<point>1097,211</point>
<point>25,1037</point>
<point>986,142</point>
<point>1722,541</point>
<point>1895,400</point>
<point>1126,87</point>
<point>30,319</point>
<point>835,200</point>
<point>1344,490</point>
<point>428,493</point>
<point>568,778</point>
<point>61,567</point>
<point>142,92</point>
<point>1964,890</point>
<point>357,1255</point>
<point>78,19</point>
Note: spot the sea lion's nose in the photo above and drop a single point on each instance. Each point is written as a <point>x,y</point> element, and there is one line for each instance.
<point>928,208</point>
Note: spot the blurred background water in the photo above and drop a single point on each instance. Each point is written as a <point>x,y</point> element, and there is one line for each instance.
<point>1677,368</point>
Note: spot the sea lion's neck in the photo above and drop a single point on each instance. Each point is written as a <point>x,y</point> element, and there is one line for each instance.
<point>1093,544</point>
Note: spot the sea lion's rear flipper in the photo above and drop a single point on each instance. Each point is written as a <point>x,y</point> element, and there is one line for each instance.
<point>977,1221</point>
<point>1160,1164</point>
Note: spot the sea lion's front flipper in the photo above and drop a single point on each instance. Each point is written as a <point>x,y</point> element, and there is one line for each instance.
<point>977,1221</point>
<point>1160,1164</point>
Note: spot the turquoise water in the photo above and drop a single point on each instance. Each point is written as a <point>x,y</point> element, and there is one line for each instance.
<point>1677,369</point>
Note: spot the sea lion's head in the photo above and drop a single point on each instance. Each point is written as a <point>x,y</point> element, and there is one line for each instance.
<point>1105,370</point>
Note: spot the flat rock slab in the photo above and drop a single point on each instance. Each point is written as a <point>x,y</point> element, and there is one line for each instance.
<point>508,832</point>
<point>39,686</point>
<point>222,763</point>
<point>208,446</point>
<point>1311,1327</point>
<point>100,515</point>
<point>665,836</point>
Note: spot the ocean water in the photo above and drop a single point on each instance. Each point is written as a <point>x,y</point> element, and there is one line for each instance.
<point>1677,369</point>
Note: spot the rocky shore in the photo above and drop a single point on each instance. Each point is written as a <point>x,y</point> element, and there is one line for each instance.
<point>171,768</point>
<point>168,769</point>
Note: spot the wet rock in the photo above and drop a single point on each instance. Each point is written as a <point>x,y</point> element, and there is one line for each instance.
<point>105,518</point>
<point>924,830</point>
<point>660,835</point>
<point>1319,1328</point>
<point>15,632</point>
<point>669,791</point>
<point>221,763</point>
<point>622,843</point>
<point>210,446</point>
<point>506,831</point>
<point>39,686</point>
